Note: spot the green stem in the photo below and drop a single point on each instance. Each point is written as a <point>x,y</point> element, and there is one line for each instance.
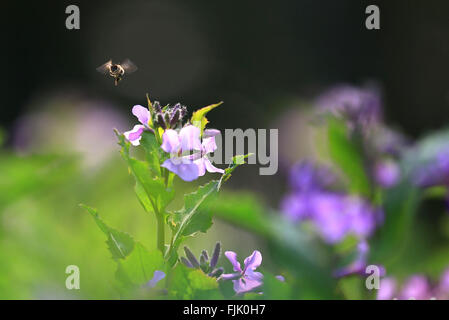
<point>160,232</point>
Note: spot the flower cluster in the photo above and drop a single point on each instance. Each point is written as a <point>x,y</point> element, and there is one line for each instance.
<point>359,106</point>
<point>187,147</point>
<point>416,287</point>
<point>361,109</point>
<point>335,215</point>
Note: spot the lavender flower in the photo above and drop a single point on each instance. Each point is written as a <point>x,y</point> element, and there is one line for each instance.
<point>416,287</point>
<point>157,276</point>
<point>359,106</point>
<point>178,145</point>
<point>387,173</point>
<point>208,145</point>
<point>246,279</point>
<point>387,289</point>
<point>143,115</point>
<point>434,173</point>
<point>305,176</point>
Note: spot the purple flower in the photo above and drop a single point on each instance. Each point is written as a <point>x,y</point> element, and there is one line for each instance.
<point>246,279</point>
<point>387,173</point>
<point>335,215</point>
<point>280,278</point>
<point>417,288</point>
<point>208,145</point>
<point>305,176</point>
<point>359,106</point>
<point>387,289</point>
<point>442,290</point>
<point>143,115</point>
<point>179,146</point>
<point>434,173</point>
<point>157,276</point>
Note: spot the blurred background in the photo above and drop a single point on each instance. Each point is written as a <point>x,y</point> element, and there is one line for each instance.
<point>265,60</point>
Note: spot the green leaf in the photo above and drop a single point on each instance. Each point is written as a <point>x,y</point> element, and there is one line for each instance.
<point>195,216</point>
<point>191,218</point>
<point>153,152</point>
<point>144,172</point>
<point>346,154</point>
<point>139,267</point>
<point>352,288</point>
<point>185,283</point>
<point>120,244</point>
<point>199,117</point>
<point>153,187</point>
<point>275,289</point>
<point>241,209</point>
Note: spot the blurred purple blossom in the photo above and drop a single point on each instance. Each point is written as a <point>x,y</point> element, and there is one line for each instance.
<point>157,276</point>
<point>359,106</point>
<point>387,289</point>
<point>335,215</point>
<point>246,279</point>
<point>70,122</point>
<point>387,173</point>
<point>435,172</point>
<point>415,287</point>
<point>305,176</point>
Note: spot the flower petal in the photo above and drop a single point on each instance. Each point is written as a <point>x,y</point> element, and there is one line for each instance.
<point>210,133</point>
<point>189,137</point>
<point>210,167</point>
<point>232,257</point>
<point>201,166</point>
<point>142,114</point>
<point>245,285</point>
<point>209,145</point>
<point>158,276</point>
<point>135,134</point>
<point>170,141</point>
<point>253,261</point>
<point>253,275</point>
<point>230,276</point>
<point>186,171</point>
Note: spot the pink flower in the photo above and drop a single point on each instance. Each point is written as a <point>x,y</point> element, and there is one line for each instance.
<point>143,115</point>
<point>207,146</point>
<point>179,146</point>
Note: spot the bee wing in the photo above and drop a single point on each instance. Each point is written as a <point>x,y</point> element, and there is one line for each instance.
<point>104,68</point>
<point>128,66</point>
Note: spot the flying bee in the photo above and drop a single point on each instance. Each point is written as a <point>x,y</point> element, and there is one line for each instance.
<point>117,70</point>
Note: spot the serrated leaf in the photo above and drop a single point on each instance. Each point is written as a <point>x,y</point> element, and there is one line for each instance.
<point>190,218</point>
<point>199,117</point>
<point>120,244</point>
